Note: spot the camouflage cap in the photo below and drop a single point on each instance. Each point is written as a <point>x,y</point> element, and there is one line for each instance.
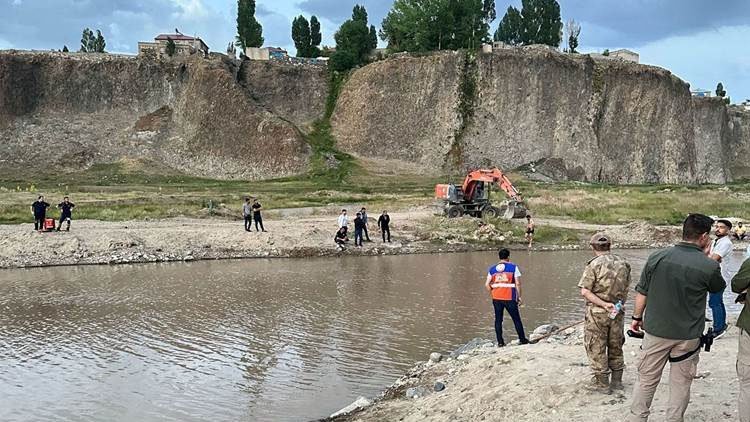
<point>601,238</point>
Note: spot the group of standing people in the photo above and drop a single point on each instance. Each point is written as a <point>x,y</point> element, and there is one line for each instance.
<point>39,211</point>
<point>669,313</point>
<point>360,228</point>
<point>252,212</point>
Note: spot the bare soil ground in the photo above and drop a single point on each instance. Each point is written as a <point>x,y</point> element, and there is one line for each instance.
<point>544,382</point>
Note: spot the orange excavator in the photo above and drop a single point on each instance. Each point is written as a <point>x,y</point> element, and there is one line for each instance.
<point>473,197</point>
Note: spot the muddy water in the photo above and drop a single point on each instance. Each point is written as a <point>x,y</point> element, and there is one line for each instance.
<point>248,340</point>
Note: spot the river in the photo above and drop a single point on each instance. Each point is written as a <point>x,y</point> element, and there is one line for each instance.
<point>253,340</point>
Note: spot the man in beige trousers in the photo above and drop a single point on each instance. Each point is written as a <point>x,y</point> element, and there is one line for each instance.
<point>672,293</point>
<point>740,284</point>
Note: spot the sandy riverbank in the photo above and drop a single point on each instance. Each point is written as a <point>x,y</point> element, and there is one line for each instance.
<point>543,382</point>
<point>291,233</point>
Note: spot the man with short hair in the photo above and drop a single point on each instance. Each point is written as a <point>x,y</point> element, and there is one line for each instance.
<point>341,238</point>
<point>66,213</point>
<point>604,284</point>
<point>343,220</point>
<point>740,284</point>
<point>257,208</point>
<point>721,251</point>
<point>39,211</point>
<point>504,284</point>
<point>672,293</point>
<point>247,213</point>
<point>358,228</point>
<point>384,222</point>
<point>363,211</point>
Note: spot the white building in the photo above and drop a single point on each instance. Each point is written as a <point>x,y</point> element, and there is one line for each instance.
<point>185,45</point>
<point>624,54</point>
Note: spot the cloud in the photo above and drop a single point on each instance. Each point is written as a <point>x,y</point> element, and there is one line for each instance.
<point>637,22</point>
<point>337,11</point>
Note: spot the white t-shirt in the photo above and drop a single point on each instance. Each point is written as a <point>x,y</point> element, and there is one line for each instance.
<point>343,220</point>
<point>723,247</point>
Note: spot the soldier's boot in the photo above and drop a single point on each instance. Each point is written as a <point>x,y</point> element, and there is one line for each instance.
<point>616,382</point>
<point>599,383</point>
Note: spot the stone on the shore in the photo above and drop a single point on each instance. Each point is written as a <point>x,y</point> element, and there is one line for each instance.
<point>462,358</point>
<point>360,403</point>
<point>473,344</point>
<point>435,357</point>
<point>541,331</point>
<point>416,392</point>
<point>439,386</point>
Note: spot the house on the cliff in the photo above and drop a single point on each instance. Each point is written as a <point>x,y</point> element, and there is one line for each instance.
<point>266,53</point>
<point>185,45</point>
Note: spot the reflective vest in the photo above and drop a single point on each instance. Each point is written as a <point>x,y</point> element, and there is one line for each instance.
<point>503,281</point>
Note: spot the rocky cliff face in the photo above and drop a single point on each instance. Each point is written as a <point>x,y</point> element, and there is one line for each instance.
<point>69,111</point>
<point>584,119</point>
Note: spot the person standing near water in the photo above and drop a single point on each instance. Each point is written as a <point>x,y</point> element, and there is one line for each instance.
<point>39,211</point>
<point>66,213</point>
<point>363,211</point>
<point>384,222</point>
<point>504,284</point>
<point>740,284</point>
<point>604,285</point>
<point>343,220</point>
<point>257,208</point>
<point>721,250</point>
<point>247,213</point>
<point>530,227</point>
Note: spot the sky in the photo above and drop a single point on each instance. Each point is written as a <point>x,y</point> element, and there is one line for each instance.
<point>700,41</point>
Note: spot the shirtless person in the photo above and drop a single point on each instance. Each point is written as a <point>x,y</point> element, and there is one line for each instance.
<point>529,229</point>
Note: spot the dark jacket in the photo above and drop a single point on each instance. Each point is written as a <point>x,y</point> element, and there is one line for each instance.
<point>384,221</point>
<point>740,283</point>
<point>359,223</point>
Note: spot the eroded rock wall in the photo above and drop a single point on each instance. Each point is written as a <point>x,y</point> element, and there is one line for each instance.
<point>599,120</point>
<point>190,115</point>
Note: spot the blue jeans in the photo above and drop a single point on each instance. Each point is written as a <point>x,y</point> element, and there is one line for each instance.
<point>357,237</point>
<point>719,312</point>
<point>512,307</point>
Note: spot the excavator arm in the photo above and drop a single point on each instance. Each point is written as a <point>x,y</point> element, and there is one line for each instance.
<point>490,176</point>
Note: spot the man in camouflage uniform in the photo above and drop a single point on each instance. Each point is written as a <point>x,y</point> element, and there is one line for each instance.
<point>605,281</point>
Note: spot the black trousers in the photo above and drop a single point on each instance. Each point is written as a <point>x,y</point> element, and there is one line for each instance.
<point>367,236</point>
<point>39,222</point>
<point>248,222</point>
<point>357,237</point>
<point>512,307</point>
<point>64,218</point>
<point>259,220</point>
<point>388,231</point>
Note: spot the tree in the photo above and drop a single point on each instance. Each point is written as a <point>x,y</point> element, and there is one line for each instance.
<point>510,27</point>
<point>249,30</point>
<point>91,43</point>
<point>353,41</point>
<point>538,22</point>
<point>231,50</point>
<point>99,42</point>
<point>373,37</point>
<point>605,52</point>
<point>425,25</point>
<point>572,30</point>
<point>171,47</point>
<point>65,49</point>
<point>315,36</point>
<point>306,36</point>
<point>720,92</point>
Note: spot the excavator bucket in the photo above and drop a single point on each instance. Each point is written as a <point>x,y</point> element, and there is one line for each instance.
<point>515,210</point>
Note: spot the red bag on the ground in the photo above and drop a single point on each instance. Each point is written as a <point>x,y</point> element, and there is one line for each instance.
<point>49,224</point>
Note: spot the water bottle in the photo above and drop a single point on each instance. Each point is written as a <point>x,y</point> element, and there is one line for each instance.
<point>618,307</point>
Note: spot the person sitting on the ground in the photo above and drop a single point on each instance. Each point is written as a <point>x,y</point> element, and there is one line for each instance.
<point>341,238</point>
<point>66,213</point>
<point>740,232</point>
<point>39,211</point>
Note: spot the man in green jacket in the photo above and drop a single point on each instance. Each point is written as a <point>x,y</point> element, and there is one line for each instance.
<point>740,283</point>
